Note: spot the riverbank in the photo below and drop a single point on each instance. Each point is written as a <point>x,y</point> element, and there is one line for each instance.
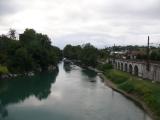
<point>144,93</point>
<point>27,74</point>
<point>96,101</point>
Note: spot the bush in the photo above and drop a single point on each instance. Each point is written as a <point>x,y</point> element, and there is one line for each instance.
<point>105,67</point>
<point>3,70</point>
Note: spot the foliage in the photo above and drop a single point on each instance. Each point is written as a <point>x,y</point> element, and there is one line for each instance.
<point>155,55</point>
<point>72,52</point>
<point>33,51</point>
<point>12,34</point>
<point>87,54</point>
<point>104,67</point>
<point>103,54</point>
<point>21,61</point>
<point>3,70</point>
<point>143,89</point>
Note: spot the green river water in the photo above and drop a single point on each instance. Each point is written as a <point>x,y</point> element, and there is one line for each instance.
<point>69,93</point>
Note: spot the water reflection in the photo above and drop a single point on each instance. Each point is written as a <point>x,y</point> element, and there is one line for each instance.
<point>73,97</point>
<point>89,73</point>
<point>17,90</point>
<point>67,67</point>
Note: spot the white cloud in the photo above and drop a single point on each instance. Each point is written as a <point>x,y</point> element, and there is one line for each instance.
<point>101,22</point>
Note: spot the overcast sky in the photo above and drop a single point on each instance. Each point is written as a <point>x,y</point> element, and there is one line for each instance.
<point>100,22</point>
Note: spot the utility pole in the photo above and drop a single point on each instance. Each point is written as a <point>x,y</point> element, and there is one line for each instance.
<point>114,53</point>
<point>148,51</point>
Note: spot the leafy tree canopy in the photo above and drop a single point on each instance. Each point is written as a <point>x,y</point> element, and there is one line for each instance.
<point>33,51</point>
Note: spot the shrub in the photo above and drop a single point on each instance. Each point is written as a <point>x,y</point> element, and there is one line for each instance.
<point>3,70</point>
<point>105,67</point>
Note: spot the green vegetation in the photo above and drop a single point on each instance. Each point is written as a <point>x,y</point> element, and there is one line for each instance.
<point>72,52</point>
<point>87,54</point>
<point>32,52</point>
<point>103,55</point>
<point>104,67</point>
<point>3,70</point>
<point>146,91</point>
<point>155,54</point>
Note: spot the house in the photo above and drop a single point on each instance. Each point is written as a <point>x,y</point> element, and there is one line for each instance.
<point>135,54</point>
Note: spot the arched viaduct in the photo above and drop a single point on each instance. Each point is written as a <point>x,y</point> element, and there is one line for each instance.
<point>138,68</point>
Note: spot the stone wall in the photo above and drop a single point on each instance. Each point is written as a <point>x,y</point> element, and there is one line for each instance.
<point>138,68</point>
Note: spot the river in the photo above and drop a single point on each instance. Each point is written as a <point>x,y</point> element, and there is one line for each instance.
<point>69,93</point>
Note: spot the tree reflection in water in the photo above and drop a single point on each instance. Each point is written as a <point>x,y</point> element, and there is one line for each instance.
<point>19,89</point>
<point>67,67</point>
<point>91,74</point>
<point>86,72</point>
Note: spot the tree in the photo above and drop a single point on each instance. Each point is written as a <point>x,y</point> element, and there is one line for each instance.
<point>72,52</point>
<point>155,55</point>
<point>21,61</point>
<point>89,55</point>
<point>12,34</point>
<point>43,40</point>
<point>31,53</point>
<point>28,37</point>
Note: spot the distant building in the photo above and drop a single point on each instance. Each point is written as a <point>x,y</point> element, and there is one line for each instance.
<point>118,54</point>
<point>135,54</point>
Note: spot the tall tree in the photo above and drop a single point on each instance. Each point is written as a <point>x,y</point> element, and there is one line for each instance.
<point>12,34</point>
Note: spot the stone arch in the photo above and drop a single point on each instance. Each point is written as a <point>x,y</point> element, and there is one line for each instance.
<point>130,69</point>
<point>119,66</point>
<point>116,66</point>
<point>122,66</point>
<point>126,67</point>
<point>136,70</point>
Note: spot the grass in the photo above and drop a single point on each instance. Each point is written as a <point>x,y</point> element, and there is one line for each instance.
<point>104,67</point>
<point>145,90</point>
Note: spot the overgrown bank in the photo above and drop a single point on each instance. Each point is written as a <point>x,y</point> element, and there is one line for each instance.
<point>143,90</point>
<point>32,52</point>
<point>146,92</point>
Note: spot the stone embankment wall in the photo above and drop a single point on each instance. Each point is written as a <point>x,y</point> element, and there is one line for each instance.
<point>138,68</point>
